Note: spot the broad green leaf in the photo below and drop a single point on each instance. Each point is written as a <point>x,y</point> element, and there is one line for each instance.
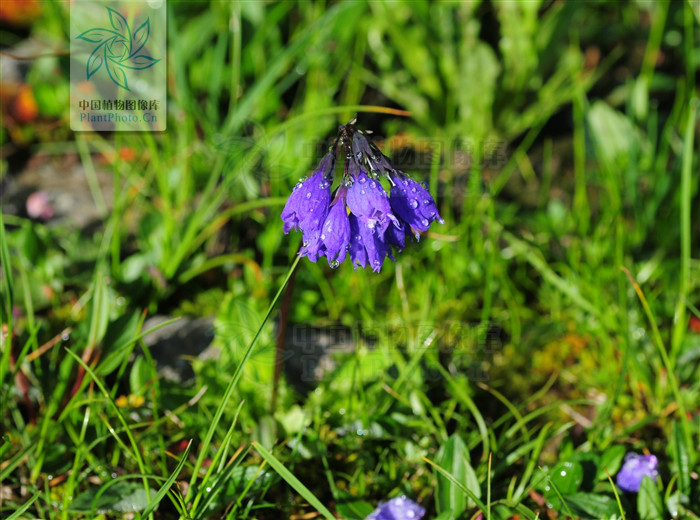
<point>122,497</point>
<point>454,460</point>
<point>591,505</point>
<point>679,454</point>
<point>610,460</point>
<point>649,502</point>
<point>567,476</point>
<point>351,507</point>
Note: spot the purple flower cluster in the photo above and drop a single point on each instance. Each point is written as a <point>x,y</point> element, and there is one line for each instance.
<point>358,220</point>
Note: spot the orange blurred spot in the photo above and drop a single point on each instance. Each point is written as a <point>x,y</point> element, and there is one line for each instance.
<point>694,324</point>
<point>19,12</point>
<point>127,154</point>
<point>25,109</point>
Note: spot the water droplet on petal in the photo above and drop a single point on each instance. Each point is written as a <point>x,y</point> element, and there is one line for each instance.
<point>323,237</point>
<point>413,189</point>
<point>426,201</point>
<point>362,179</point>
<point>334,264</point>
<point>297,186</point>
<point>372,184</point>
<point>425,222</point>
<point>308,194</point>
<point>362,191</point>
<point>413,203</point>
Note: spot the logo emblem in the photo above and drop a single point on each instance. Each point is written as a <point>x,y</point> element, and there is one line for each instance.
<point>118,49</point>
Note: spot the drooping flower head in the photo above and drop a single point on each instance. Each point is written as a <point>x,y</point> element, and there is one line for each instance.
<point>634,469</point>
<point>399,508</point>
<point>361,222</point>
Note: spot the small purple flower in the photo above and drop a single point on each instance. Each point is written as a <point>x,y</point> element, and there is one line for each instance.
<point>376,246</point>
<point>358,253</point>
<point>634,469</point>
<point>368,201</point>
<point>413,204</point>
<point>400,508</point>
<point>335,233</point>
<point>307,206</point>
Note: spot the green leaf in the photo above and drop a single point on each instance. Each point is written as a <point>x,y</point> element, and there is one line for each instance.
<point>590,505</point>
<point>567,476</point>
<point>649,501</point>
<point>610,460</point>
<point>679,454</point>
<point>454,460</point>
<point>141,373</point>
<point>99,310</point>
<point>122,497</point>
<point>351,507</point>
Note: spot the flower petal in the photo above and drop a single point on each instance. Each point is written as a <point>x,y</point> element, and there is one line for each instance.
<point>367,200</point>
<point>307,206</point>
<point>413,203</point>
<point>335,233</point>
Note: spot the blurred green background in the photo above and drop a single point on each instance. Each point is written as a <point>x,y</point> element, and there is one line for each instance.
<point>498,368</point>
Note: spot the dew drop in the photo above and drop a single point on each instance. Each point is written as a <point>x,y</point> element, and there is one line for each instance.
<point>372,184</point>
<point>324,184</point>
<point>413,189</point>
<point>362,192</point>
<point>413,203</point>
<point>323,237</point>
<point>308,194</point>
<point>335,264</point>
<point>425,222</point>
<point>297,186</point>
<point>362,179</point>
<point>426,201</point>
<point>358,237</point>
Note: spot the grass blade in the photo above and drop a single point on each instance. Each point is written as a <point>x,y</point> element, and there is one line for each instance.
<point>293,481</point>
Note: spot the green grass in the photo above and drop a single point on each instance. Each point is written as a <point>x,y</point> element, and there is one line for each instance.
<point>503,366</point>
